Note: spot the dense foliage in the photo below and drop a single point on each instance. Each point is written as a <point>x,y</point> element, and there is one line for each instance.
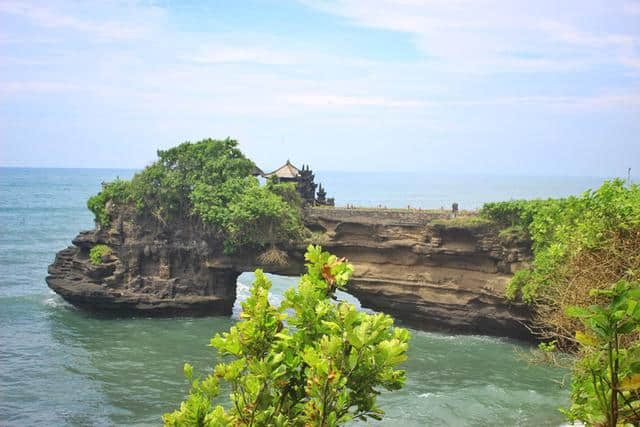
<point>567,232</point>
<point>118,191</point>
<point>212,180</point>
<point>606,381</point>
<point>97,252</point>
<point>309,361</point>
<point>581,245</point>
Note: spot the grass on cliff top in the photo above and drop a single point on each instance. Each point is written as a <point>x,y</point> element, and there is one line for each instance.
<point>462,221</point>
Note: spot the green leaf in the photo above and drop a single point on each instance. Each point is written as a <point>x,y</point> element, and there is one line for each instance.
<point>188,371</point>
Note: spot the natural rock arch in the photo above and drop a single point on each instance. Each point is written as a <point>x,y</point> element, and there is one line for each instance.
<point>434,276</point>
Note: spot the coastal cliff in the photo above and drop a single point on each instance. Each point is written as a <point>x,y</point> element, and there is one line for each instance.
<point>428,270</point>
<point>431,271</point>
<point>156,269</point>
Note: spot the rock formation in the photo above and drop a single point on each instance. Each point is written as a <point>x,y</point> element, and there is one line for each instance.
<point>432,273</point>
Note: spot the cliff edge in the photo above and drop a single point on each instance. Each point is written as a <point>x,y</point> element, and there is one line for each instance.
<point>433,272</point>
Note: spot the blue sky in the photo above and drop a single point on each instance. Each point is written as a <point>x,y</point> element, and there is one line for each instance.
<point>501,87</point>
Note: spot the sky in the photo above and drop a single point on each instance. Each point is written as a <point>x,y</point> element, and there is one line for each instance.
<point>513,87</point>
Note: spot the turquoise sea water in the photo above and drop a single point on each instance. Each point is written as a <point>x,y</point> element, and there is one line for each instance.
<point>60,366</point>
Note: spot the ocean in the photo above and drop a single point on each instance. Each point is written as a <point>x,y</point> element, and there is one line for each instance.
<point>60,366</point>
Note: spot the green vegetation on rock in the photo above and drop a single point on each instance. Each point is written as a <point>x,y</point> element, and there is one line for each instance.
<point>308,362</point>
<point>568,234</point>
<point>117,192</point>
<point>97,252</point>
<point>583,287</point>
<point>514,233</point>
<point>465,221</point>
<point>209,179</point>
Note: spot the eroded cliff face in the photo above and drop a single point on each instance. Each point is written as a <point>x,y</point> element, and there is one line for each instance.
<point>155,269</point>
<point>435,276</point>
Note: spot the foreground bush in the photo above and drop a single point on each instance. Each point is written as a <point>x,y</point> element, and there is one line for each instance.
<point>605,389</point>
<point>308,362</point>
<point>210,180</point>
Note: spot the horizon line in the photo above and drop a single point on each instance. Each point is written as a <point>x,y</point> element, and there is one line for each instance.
<point>408,172</point>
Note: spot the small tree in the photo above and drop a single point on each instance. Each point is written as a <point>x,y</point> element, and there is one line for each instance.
<point>309,361</point>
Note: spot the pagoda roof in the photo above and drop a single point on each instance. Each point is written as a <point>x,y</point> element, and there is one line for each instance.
<point>285,171</point>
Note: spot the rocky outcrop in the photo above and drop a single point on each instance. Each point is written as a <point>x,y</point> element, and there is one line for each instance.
<point>432,273</point>
<point>156,269</point>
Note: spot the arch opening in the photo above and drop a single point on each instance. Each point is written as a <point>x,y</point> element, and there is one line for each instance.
<point>276,295</point>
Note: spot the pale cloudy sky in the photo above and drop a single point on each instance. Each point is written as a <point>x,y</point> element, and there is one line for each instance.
<point>507,87</point>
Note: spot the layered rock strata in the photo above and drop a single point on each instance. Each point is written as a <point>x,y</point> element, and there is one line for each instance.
<point>433,273</point>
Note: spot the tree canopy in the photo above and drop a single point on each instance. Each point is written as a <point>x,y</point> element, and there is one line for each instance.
<point>209,179</point>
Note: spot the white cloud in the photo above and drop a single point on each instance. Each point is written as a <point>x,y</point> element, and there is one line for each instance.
<point>596,103</point>
<point>632,61</point>
<point>632,8</point>
<point>101,29</point>
<point>570,35</point>
<point>567,103</point>
<point>37,87</point>
<point>265,52</point>
<point>493,35</point>
<point>351,101</point>
<point>229,54</point>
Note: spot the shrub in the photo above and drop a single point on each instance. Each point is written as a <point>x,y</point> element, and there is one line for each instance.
<point>519,279</point>
<point>515,233</point>
<point>96,253</point>
<point>507,214</point>
<point>579,243</point>
<point>273,257</point>
<point>606,376</point>
<point>309,361</point>
<point>118,191</point>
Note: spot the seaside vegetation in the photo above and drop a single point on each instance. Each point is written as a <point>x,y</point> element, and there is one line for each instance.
<point>605,389</point>
<point>210,180</point>
<point>311,361</point>
<point>465,221</point>
<point>97,252</point>
<point>583,287</point>
<point>579,243</point>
